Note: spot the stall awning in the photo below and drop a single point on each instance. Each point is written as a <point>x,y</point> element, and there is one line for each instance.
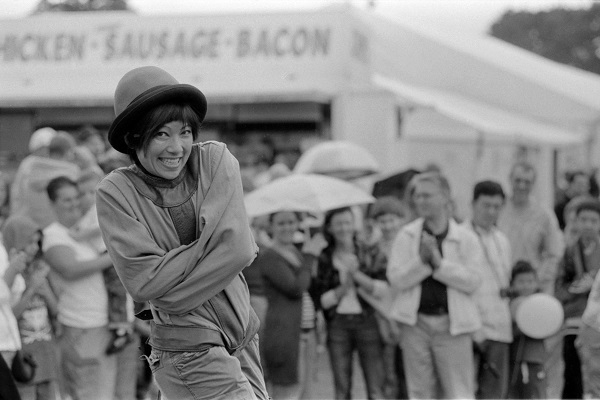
<point>495,124</point>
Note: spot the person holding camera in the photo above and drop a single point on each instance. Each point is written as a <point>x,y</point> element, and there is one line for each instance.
<point>492,342</point>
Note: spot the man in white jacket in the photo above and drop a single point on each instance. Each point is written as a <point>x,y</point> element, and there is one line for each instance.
<point>433,268</point>
<point>493,340</point>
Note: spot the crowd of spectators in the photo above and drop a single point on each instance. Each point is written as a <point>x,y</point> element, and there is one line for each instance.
<point>426,301</point>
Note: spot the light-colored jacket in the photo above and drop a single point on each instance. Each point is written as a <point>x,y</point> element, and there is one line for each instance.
<point>495,275</point>
<point>458,271</point>
<point>591,315</point>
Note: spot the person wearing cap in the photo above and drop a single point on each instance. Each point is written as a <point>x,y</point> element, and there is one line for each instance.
<point>51,156</point>
<point>176,229</point>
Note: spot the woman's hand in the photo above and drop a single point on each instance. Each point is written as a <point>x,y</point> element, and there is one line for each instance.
<point>315,245</point>
<point>17,261</point>
<point>344,287</point>
<point>38,277</point>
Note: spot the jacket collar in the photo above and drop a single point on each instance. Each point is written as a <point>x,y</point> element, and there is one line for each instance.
<point>415,228</point>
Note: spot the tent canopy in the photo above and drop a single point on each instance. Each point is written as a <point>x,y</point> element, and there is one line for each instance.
<point>494,123</point>
<point>487,70</point>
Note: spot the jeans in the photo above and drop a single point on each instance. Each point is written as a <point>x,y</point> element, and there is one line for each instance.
<point>588,344</point>
<point>88,372</point>
<point>554,366</point>
<point>346,333</point>
<point>127,364</point>
<point>211,374</point>
<point>493,370</point>
<point>436,360</point>
<point>573,386</point>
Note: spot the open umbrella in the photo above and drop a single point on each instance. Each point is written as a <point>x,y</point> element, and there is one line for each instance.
<point>337,158</point>
<point>306,192</point>
<point>394,185</point>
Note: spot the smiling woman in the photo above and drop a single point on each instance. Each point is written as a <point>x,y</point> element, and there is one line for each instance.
<point>176,229</point>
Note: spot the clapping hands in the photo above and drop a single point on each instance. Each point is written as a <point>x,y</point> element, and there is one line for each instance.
<point>582,285</point>
<point>429,252</point>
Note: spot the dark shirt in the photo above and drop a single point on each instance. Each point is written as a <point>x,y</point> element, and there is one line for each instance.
<point>434,294</point>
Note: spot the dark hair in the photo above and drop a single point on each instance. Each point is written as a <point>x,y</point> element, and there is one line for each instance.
<point>56,184</point>
<point>387,205</point>
<point>588,205</point>
<point>146,129</point>
<point>521,267</point>
<point>327,222</point>
<point>488,188</point>
<point>271,216</point>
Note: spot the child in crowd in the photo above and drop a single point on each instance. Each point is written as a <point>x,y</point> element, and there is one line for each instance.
<point>87,230</point>
<point>588,343</point>
<point>36,310</point>
<point>528,377</point>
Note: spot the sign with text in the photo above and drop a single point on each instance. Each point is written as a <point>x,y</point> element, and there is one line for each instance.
<point>225,54</point>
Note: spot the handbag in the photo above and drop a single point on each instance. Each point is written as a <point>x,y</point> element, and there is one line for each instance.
<point>23,367</point>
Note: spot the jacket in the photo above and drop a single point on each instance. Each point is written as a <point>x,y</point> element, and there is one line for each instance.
<point>197,285</point>
<point>495,275</point>
<point>571,268</point>
<point>591,314</point>
<point>284,285</point>
<point>458,271</point>
<point>371,262</point>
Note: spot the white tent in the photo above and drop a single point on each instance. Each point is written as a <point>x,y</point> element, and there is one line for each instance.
<point>488,70</point>
<point>496,125</point>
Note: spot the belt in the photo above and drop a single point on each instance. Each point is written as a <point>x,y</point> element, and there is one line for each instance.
<point>197,338</point>
<point>183,338</point>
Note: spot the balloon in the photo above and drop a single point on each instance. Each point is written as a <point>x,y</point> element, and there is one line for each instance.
<point>539,316</point>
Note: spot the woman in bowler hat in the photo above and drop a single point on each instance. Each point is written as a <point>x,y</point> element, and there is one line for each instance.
<point>176,229</point>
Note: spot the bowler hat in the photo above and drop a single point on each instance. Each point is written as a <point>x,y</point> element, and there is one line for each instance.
<point>141,89</point>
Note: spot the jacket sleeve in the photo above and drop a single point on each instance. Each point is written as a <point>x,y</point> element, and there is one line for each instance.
<point>147,271</point>
<point>595,291</point>
<point>463,275</point>
<point>564,277</point>
<point>405,269</point>
<point>551,251</point>
<point>173,280</point>
<point>291,282</point>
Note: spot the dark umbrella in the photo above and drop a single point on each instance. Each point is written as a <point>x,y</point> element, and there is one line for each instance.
<point>394,185</point>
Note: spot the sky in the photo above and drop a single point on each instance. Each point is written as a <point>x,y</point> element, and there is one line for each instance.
<point>460,16</point>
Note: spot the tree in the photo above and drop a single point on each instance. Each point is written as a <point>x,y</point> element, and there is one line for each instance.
<point>568,36</point>
<point>79,5</point>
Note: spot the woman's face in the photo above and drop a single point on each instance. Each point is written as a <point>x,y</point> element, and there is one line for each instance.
<point>342,227</point>
<point>33,246</point>
<point>283,227</point>
<point>168,150</point>
<point>87,194</point>
<point>390,224</point>
<point>66,205</point>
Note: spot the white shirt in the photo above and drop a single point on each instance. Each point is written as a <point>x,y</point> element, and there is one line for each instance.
<point>9,330</point>
<point>82,303</point>
<point>495,275</point>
